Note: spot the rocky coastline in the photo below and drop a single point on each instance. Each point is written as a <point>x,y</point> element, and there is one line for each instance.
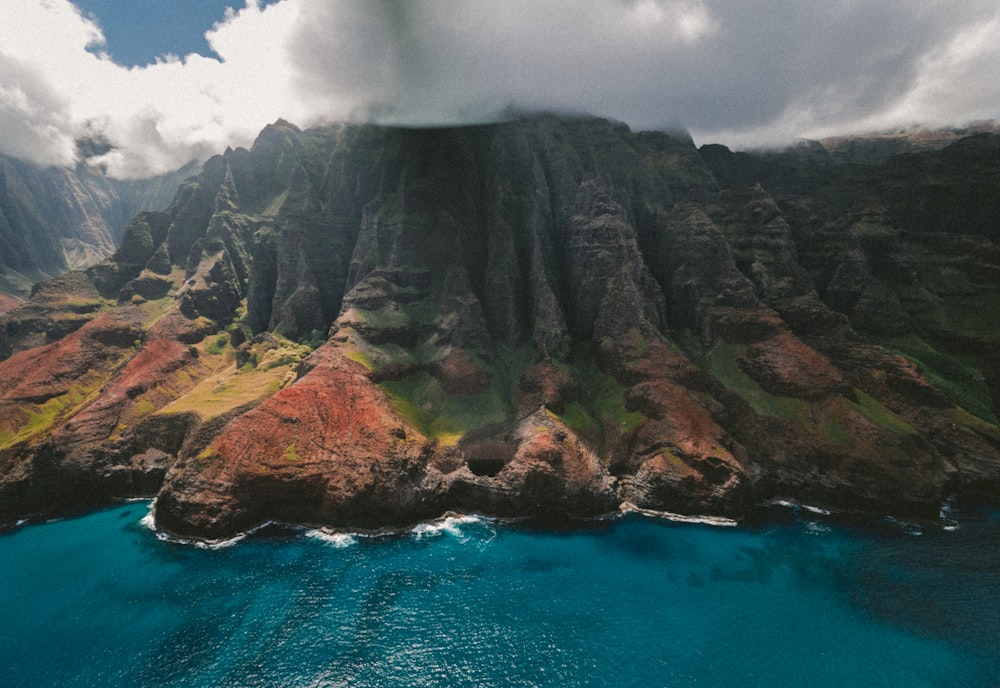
<point>365,327</point>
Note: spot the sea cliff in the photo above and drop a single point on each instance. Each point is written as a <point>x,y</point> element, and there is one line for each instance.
<point>362,326</point>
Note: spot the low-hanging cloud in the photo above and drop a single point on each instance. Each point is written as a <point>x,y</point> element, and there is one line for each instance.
<point>739,73</point>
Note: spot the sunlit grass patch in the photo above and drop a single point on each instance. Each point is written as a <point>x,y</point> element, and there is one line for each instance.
<point>420,401</point>
<point>881,416</point>
<point>229,389</point>
<point>40,418</point>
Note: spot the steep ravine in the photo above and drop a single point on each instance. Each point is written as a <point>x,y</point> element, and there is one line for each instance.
<point>363,327</point>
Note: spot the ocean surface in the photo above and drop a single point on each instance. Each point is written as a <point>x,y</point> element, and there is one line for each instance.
<point>100,600</point>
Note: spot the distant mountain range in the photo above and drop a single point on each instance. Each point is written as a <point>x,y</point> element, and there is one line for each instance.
<point>362,326</point>
<point>55,219</point>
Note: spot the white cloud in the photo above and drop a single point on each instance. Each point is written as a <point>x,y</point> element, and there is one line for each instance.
<point>739,73</point>
<point>33,117</point>
<point>961,75</point>
<point>53,90</point>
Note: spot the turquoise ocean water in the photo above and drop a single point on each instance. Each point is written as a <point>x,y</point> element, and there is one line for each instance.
<point>99,600</point>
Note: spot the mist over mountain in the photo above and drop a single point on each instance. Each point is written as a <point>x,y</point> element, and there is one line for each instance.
<point>365,326</point>
<point>731,73</point>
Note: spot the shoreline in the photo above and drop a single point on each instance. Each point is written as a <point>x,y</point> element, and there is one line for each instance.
<point>773,511</point>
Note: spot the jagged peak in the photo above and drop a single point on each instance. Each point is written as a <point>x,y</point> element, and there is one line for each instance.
<point>282,123</point>
<point>280,130</point>
<point>227,198</point>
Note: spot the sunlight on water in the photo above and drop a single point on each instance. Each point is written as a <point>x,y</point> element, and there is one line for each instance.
<point>468,601</point>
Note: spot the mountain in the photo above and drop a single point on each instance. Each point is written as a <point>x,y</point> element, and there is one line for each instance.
<point>54,219</point>
<point>361,327</point>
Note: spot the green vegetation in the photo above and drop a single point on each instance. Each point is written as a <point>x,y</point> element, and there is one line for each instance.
<point>313,339</point>
<point>274,206</point>
<point>290,454</point>
<point>42,417</point>
<point>722,362</point>
<point>230,389</point>
<point>832,428</point>
<point>391,209</point>
<point>217,344</point>
<point>579,420</point>
<point>606,397</point>
<point>600,413</point>
<point>958,377</point>
<point>686,341</point>
<point>673,459</point>
<point>275,352</point>
<point>971,314</point>
<point>881,416</point>
<point>387,359</point>
<point>387,318</point>
<point>969,422</point>
<point>421,402</point>
<point>143,407</point>
<point>361,357</point>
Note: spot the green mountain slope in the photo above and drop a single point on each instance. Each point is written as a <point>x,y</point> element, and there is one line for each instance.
<point>365,326</point>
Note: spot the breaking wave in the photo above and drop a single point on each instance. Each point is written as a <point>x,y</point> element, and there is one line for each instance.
<point>720,521</point>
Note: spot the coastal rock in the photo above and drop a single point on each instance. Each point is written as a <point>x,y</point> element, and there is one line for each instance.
<point>325,450</point>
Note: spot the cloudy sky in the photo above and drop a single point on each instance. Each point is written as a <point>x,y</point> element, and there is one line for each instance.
<point>164,87</point>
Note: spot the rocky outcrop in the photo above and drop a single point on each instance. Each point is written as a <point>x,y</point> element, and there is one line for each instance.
<point>364,327</point>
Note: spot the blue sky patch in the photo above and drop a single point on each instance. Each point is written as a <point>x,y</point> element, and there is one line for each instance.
<point>140,31</point>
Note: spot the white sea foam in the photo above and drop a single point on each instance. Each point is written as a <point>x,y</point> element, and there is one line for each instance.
<point>948,515</point>
<point>450,524</point>
<point>721,521</point>
<point>338,540</point>
<point>200,544</point>
<point>815,528</point>
<point>795,506</point>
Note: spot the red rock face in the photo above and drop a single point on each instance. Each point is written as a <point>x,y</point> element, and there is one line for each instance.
<point>785,366</point>
<point>328,449</point>
<point>680,456</point>
<point>97,421</point>
<point>458,374</point>
<point>8,302</point>
<point>68,410</point>
<point>46,372</point>
<point>545,384</point>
